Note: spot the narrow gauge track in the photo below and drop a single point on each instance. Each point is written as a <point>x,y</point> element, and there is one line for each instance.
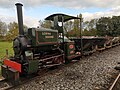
<point>5,85</point>
<point>41,74</point>
<point>56,69</point>
<point>116,84</point>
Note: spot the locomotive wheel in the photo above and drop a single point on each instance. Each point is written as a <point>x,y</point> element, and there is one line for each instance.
<point>58,60</point>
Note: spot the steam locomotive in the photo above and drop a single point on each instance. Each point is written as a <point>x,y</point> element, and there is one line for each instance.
<point>39,48</point>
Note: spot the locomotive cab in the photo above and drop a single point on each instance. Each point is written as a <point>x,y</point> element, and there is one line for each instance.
<point>66,44</point>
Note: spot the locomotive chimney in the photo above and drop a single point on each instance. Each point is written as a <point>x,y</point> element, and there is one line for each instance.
<point>20,18</point>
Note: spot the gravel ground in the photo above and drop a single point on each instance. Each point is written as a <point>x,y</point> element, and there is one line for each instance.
<point>90,73</point>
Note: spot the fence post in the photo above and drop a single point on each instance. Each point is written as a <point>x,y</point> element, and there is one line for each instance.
<point>6,52</point>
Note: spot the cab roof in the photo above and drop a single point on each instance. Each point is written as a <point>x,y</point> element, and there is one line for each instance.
<point>60,15</point>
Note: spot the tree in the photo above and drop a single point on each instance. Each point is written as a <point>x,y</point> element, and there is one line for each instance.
<point>46,24</point>
<point>14,31</point>
<point>115,25</point>
<point>76,27</point>
<point>89,28</point>
<point>92,24</point>
<point>108,26</point>
<point>3,29</point>
<point>104,26</point>
<point>68,26</point>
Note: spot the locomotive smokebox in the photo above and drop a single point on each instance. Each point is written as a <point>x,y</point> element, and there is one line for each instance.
<point>20,18</point>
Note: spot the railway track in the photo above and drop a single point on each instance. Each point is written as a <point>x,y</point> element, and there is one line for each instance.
<point>116,84</point>
<point>4,85</point>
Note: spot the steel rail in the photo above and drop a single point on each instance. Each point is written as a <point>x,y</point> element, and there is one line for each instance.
<point>115,82</point>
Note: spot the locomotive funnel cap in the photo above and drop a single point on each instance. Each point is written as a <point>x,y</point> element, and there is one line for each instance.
<point>19,4</point>
<point>20,18</point>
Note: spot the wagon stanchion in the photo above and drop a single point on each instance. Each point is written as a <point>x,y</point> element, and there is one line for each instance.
<point>81,19</point>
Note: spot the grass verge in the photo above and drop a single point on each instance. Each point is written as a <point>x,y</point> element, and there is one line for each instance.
<point>3,47</point>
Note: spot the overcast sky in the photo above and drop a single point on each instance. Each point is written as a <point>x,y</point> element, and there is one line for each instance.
<point>35,10</point>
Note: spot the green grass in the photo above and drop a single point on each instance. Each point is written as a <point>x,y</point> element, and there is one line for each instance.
<point>0,71</point>
<point>3,47</point>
